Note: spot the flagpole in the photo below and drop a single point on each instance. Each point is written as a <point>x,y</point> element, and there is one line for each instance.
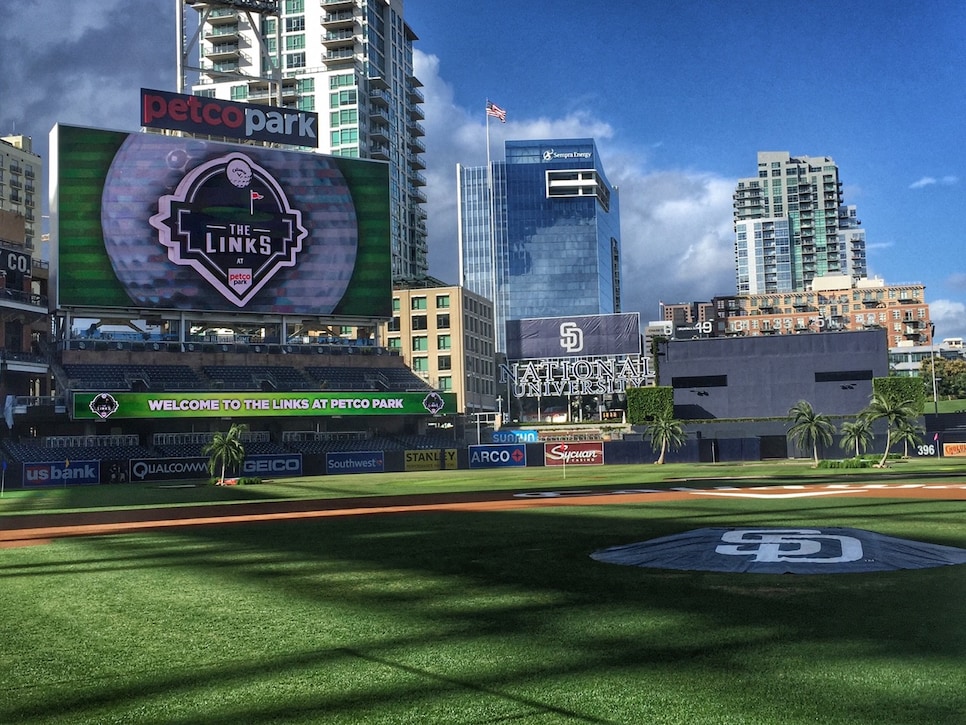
<point>489,184</point>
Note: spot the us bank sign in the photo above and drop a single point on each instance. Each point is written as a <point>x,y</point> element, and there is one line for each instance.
<point>591,376</point>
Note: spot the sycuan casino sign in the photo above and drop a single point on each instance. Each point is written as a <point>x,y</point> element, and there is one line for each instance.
<point>214,117</point>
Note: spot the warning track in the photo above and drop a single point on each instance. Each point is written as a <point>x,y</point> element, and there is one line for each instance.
<point>33,529</point>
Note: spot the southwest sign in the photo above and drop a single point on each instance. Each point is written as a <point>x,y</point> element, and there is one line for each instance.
<point>101,406</point>
<point>214,117</point>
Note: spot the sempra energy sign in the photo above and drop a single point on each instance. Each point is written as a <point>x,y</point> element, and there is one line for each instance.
<point>214,117</point>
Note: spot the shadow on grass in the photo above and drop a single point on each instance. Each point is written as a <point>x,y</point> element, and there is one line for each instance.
<point>380,618</point>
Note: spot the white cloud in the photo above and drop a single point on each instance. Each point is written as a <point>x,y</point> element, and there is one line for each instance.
<point>932,180</point>
<point>676,230</point>
<point>949,316</point>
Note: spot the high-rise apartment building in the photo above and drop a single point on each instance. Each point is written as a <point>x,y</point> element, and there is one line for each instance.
<point>21,182</point>
<point>350,61</point>
<point>554,249</point>
<point>791,226</point>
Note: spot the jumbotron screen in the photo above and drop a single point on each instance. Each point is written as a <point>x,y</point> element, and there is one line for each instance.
<point>149,221</point>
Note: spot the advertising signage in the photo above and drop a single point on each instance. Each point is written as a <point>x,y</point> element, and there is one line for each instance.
<point>103,406</point>
<point>578,336</point>
<point>156,222</point>
<point>583,453</point>
<point>215,117</point>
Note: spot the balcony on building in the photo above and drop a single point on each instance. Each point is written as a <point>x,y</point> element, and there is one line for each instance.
<point>339,19</point>
<point>907,298</point>
<point>416,128</point>
<point>335,39</point>
<point>417,146</point>
<point>339,58</point>
<point>379,133</point>
<point>417,178</point>
<point>262,92</point>
<point>379,98</point>
<point>380,152</point>
<point>416,161</point>
<point>416,112</point>
<point>222,33</point>
<point>223,50</point>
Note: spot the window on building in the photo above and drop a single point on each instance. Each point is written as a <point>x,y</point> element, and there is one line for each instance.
<point>295,24</point>
<point>294,42</point>
<point>420,364</point>
<point>419,322</point>
<point>294,6</point>
<point>445,382</point>
<point>344,117</point>
<point>394,325</point>
<point>420,343</point>
<point>295,60</point>
<point>444,362</point>
<point>341,80</point>
<point>394,343</point>
<point>343,98</point>
<point>442,321</point>
<point>442,302</point>
<point>395,304</point>
<point>239,93</point>
<point>418,303</point>
<point>443,342</point>
<point>345,136</point>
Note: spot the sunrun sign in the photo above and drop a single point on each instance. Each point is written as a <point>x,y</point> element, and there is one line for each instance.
<point>215,117</point>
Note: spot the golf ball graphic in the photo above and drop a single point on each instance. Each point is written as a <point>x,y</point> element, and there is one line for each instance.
<point>148,166</point>
<point>239,173</point>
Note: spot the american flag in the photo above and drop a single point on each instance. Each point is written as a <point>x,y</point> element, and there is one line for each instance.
<point>494,110</point>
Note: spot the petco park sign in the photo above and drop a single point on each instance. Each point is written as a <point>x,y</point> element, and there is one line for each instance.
<point>214,117</point>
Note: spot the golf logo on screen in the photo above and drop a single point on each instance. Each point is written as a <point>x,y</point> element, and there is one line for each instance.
<point>104,405</point>
<point>790,545</point>
<point>231,222</point>
<point>434,403</point>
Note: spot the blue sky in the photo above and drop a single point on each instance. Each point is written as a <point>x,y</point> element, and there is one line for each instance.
<point>679,95</point>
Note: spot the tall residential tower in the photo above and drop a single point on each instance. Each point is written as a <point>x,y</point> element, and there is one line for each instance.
<point>350,61</point>
<point>555,247</point>
<point>791,226</point>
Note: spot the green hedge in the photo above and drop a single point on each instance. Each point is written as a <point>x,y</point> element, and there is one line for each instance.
<point>901,388</point>
<point>646,404</point>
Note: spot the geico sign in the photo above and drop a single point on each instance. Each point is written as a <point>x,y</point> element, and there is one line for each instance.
<point>180,112</point>
<point>291,466</point>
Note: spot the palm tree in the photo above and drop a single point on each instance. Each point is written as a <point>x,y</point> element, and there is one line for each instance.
<point>225,449</point>
<point>666,432</point>
<point>907,432</point>
<point>810,428</point>
<point>894,413</point>
<point>856,434</point>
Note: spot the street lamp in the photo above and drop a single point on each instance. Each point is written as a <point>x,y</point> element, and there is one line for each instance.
<point>932,351</point>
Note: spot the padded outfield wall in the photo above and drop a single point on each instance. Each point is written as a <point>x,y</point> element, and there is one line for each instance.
<point>763,377</point>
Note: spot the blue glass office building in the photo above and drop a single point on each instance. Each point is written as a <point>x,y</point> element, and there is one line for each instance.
<point>554,249</point>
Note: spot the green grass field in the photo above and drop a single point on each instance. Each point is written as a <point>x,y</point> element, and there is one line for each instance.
<point>478,617</point>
